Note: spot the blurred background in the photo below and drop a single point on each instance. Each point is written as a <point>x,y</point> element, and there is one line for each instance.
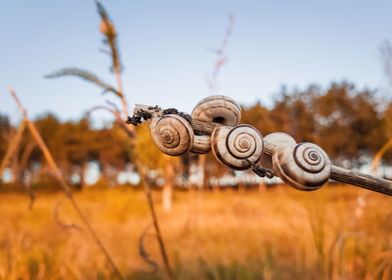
<point>319,72</point>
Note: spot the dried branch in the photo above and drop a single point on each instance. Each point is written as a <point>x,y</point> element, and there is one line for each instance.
<point>155,221</point>
<point>13,144</point>
<point>64,185</point>
<point>110,39</point>
<point>22,163</point>
<point>221,55</point>
<point>143,252</point>
<point>85,75</point>
<point>109,31</point>
<point>117,115</point>
<point>380,153</point>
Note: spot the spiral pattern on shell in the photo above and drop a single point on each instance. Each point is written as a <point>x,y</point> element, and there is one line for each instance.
<point>309,157</point>
<point>172,134</point>
<point>237,147</point>
<point>305,166</point>
<point>218,109</point>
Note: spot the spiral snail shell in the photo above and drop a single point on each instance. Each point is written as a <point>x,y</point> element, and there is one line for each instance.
<point>218,109</point>
<point>305,166</point>
<point>201,144</point>
<point>277,139</point>
<point>172,134</point>
<point>237,147</point>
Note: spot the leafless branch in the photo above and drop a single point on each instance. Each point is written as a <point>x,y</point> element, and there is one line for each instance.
<point>109,32</point>
<point>117,115</point>
<point>13,144</point>
<point>155,221</point>
<point>221,55</point>
<point>64,185</point>
<point>143,252</point>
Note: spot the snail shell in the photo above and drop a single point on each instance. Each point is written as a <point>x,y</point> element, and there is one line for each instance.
<point>218,109</point>
<point>172,134</point>
<point>237,147</point>
<point>305,166</point>
<point>201,144</point>
<point>280,139</point>
<point>277,139</point>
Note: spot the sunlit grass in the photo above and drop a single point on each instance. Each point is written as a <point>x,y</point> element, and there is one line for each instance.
<point>275,234</point>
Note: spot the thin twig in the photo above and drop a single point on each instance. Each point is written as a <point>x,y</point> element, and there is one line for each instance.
<point>221,56</point>
<point>154,217</point>
<point>109,31</point>
<point>380,153</point>
<point>64,185</point>
<point>143,252</point>
<point>117,115</point>
<point>120,90</point>
<point>13,144</point>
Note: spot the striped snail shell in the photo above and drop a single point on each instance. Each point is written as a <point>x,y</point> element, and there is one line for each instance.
<point>237,147</point>
<point>280,139</point>
<point>172,134</point>
<point>201,144</point>
<point>218,109</point>
<point>305,166</point>
<point>277,139</point>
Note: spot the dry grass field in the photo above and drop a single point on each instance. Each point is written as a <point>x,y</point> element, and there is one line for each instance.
<point>275,234</point>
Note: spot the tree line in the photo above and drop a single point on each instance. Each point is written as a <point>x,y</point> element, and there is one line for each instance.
<point>350,124</point>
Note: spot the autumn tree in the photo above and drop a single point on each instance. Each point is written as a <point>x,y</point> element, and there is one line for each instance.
<point>111,148</point>
<point>259,116</point>
<point>293,113</point>
<point>349,125</point>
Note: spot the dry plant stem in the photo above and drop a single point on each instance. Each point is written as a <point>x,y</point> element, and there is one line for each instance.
<point>352,177</point>
<point>154,217</point>
<point>14,143</point>
<point>221,57</point>
<point>338,173</point>
<point>117,115</point>
<point>380,154</point>
<point>143,252</point>
<point>147,187</point>
<point>116,64</point>
<point>361,180</point>
<point>65,187</point>
<point>117,73</point>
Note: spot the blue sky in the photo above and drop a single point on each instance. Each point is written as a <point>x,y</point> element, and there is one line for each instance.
<point>164,47</point>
